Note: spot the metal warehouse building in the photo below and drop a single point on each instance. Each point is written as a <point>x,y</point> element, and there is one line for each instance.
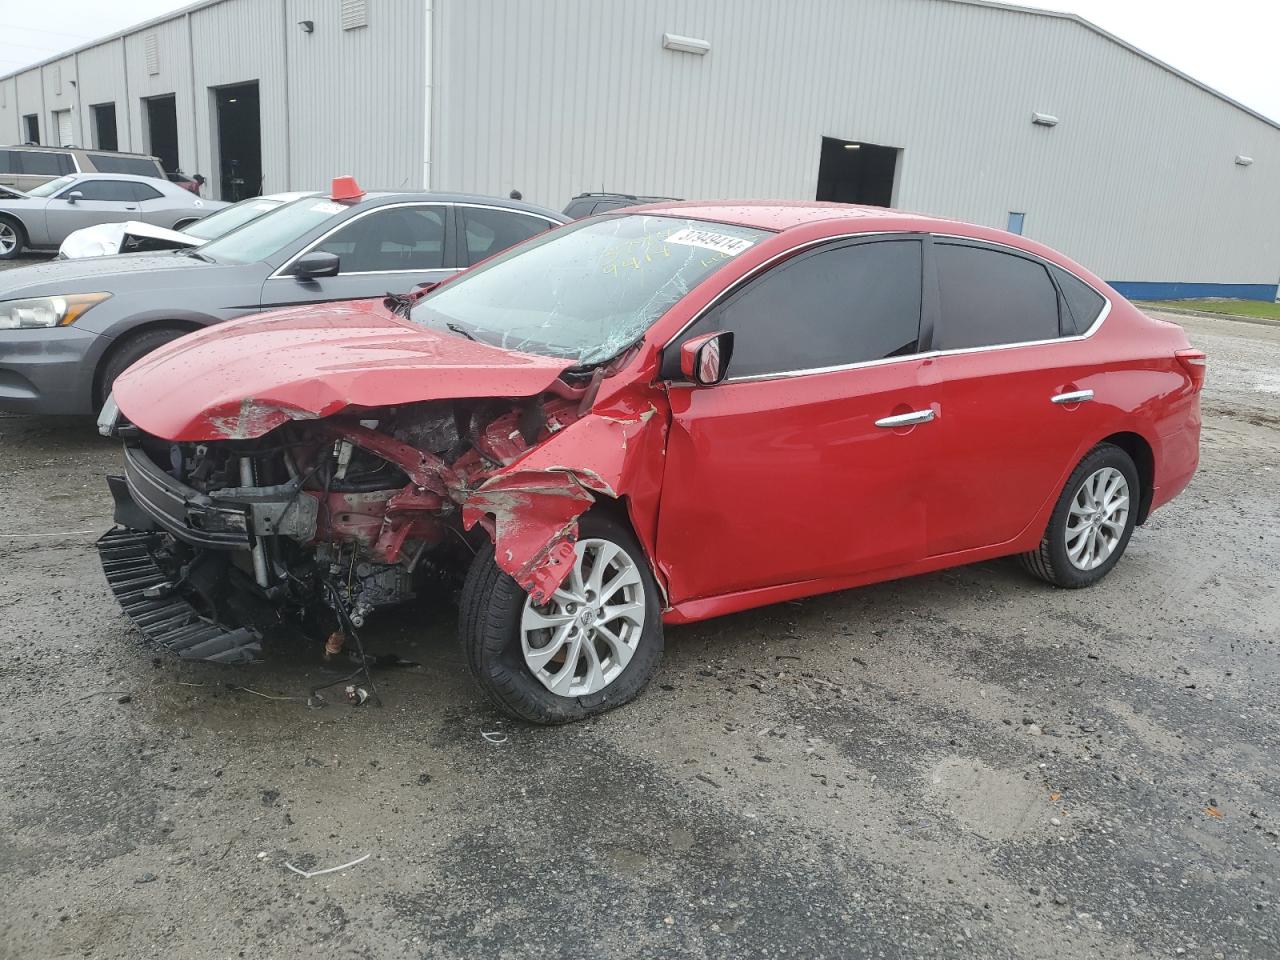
<point>1001,115</point>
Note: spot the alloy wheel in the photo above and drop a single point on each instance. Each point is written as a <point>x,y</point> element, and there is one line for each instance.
<point>8,238</point>
<point>583,637</point>
<point>1097,518</point>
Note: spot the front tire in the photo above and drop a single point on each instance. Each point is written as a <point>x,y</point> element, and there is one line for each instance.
<point>1092,522</point>
<point>12,238</point>
<point>129,351</point>
<point>592,647</point>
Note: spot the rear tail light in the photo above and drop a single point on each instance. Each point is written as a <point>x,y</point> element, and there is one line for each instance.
<point>1193,361</point>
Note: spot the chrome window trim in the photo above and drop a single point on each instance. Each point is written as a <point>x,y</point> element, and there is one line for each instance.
<point>280,274</point>
<point>884,361</point>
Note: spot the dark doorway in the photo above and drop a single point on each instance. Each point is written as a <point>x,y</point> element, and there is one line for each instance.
<point>104,126</point>
<point>853,172</point>
<point>162,130</point>
<point>32,122</point>
<point>239,141</point>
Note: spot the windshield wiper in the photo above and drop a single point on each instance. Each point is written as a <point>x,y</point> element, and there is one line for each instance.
<point>459,331</point>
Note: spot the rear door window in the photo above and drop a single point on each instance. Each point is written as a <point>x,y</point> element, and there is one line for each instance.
<point>827,308</point>
<point>142,191</point>
<point>8,162</point>
<point>1082,302</point>
<point>492,231</point>
<point>989,297</point>
<point>114,163</point>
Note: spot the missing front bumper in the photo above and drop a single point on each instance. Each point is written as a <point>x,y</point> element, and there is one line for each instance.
<point>168,621</point>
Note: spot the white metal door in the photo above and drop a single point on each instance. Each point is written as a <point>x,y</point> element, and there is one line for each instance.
<point>62,120</point>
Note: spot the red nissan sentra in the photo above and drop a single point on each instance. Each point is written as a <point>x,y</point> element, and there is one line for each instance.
<point>652,417</point>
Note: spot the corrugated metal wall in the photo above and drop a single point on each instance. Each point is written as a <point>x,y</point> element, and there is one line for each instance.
<point>172,64</point>
<point>332,102</point>
<point>357,96</point>
<point>561,96</point>
<point>1137,181</point>
<point>102,80</point>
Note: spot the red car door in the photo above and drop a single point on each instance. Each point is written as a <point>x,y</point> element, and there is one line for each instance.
<point>1022,391</point>
<point>812,459</point>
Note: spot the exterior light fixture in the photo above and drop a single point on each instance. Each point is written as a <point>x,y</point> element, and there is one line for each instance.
<point>693,45</point>
<point>1243,161</point>
<point>308,26</point>
<point>853,146</point>
<point>1044,120</point>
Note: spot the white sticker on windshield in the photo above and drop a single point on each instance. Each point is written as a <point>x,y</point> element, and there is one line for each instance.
<point>719,242</point>
<point>324,206</point>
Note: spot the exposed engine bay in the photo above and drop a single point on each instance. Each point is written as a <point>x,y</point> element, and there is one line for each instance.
<point>319,523</point>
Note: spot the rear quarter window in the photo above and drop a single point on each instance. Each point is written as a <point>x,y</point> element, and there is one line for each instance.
<point>112,163</point>
<point>40,163</point>
<point>989,298</point>
<point>1083,303</point>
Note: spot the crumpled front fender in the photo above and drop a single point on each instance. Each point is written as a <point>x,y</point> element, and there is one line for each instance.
<point>531,508</point>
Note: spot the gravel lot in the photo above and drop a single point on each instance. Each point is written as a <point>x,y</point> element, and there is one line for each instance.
<point>963,764</point>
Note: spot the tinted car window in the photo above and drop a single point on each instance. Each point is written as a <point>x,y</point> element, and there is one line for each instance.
<point>39,163</point>
<point>8,161</point>
<point>121,190</point>
<point>113,163</point>
<point>825,309</point>
<point>990,297</point>
<point>399,238</point>
<point>578,208</point>
<point>1083,302</point>
<point>492,231</point>
<point>142,191</point>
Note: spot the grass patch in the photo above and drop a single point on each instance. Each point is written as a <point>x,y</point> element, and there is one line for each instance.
<point>1234,308</point>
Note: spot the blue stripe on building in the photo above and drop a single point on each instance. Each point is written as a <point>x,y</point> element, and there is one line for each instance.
<point>1145,290</point>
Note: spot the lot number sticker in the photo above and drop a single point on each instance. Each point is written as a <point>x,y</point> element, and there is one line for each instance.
<point>719,242</point>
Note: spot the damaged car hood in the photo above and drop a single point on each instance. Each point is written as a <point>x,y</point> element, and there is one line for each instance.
<point>244,378</point>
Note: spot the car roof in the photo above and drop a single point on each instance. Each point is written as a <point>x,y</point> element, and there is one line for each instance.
<point>74,149</point>
<point>610,195</point>
<point>378,197</point>
<point>783,214</point>
<point>131,177</point>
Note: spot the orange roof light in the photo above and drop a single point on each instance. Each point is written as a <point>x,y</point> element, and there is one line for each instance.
<point>346,188</point>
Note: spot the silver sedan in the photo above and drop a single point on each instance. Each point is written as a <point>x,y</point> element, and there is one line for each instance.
<point>44,217</point>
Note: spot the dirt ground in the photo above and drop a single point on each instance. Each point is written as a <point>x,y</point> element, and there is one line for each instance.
<point>964,764</point>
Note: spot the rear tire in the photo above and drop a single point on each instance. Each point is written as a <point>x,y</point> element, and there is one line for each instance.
<point>494,628</point>
<point>1091,522</point>
<point>13,239</point>
<point>128,351</point>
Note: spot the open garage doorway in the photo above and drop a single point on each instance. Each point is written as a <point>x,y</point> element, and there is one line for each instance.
<point>162,130</point>
<point>854,172</point>
<point>104,126</point>
<point>239,141</point>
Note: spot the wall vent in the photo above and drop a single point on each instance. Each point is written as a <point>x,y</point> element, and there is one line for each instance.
<point>355,14</point>
<point>151,49</point>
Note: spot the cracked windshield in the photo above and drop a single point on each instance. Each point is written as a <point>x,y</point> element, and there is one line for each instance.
<point>585,294</point>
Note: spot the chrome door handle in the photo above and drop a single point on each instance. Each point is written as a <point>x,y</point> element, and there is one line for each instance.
<point>1075,396</point>
<point>906,419</point>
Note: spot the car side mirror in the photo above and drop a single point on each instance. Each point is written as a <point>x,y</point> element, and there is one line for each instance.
<point>74,195</point>
<point>704,360</point>
<point>313,266</point>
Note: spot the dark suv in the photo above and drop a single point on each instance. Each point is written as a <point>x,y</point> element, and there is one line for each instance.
<point>586,204</point>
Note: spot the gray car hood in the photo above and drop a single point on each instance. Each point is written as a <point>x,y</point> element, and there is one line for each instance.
<point>127,272</point>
